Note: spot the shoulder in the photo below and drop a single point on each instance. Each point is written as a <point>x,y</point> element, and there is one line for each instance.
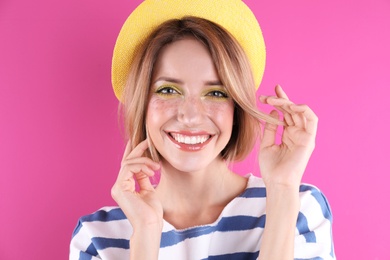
<point>314,200</point>
<point>106,228</point>
<point>255,187</point>
<point>314,225</point>
<point>103,215</point>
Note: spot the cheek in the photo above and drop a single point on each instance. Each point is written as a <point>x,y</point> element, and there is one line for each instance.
<point>159,109</point>
<point>222,112</point>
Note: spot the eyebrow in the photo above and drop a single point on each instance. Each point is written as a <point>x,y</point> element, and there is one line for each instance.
<point>168,80</point>
<point>177,81</point>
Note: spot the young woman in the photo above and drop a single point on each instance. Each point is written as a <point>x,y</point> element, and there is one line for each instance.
<point>187,86</point>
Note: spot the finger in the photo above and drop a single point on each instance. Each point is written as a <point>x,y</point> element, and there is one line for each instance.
<point>281,104</point>
<point>287,114</point>
<point>128,185</point>
<point>127,150</point>
<point>128,171</point>
<point>263,99</point>
<point>288,118</point>
<point>142,160</point>
<point>299,120</point>
<point>275,101</point>
<point>140,173</point>
<point>269,132</point>
<point>144,181</point>
<point>310,117</point>
<point>139,150</point>
<point>291,117</point>
<point>280,92</point>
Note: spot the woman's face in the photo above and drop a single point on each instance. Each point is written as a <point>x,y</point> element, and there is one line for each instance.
<point>190,115</point>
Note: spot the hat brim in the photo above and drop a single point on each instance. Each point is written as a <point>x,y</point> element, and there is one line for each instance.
<point>233,15</point>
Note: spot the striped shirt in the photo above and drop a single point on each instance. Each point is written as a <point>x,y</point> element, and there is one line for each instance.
<point>236,234</point>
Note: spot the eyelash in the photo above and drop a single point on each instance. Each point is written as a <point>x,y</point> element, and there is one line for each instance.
<point>217,94</point>
<point>164,91</point>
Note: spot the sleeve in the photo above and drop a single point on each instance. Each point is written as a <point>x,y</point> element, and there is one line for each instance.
<point>314,226</point>
<point>81,246</point>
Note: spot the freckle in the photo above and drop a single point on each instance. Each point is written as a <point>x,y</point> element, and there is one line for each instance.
<point>162,105</point>
<point>219,107</point>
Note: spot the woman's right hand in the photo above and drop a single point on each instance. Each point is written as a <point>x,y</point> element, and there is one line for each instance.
<point>142,208</point>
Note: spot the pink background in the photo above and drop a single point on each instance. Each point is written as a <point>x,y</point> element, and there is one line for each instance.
<point>60,144</point>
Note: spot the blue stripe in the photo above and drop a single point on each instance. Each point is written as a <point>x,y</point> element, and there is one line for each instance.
<point>85,256</point>
<point>254,193</point>
<point>77,228</point>
<point>321,199</point>
<point>102,243</point>
<point>235,256</point>
<point>304,230</point>
<point>226,224</point>
<point>237,223</point>
<point>303,188</point>
<point>324,205</point>
<point>312,258</point>
<point>105,216</point>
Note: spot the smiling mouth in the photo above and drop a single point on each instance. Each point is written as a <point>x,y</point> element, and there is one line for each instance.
<point>190,140</point>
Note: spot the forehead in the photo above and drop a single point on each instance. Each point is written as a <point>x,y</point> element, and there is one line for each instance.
<point>185,57</point>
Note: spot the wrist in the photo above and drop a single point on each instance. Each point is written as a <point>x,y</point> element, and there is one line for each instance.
<point>290,181</point>
<point>147,229</point>
<point>282,189</point>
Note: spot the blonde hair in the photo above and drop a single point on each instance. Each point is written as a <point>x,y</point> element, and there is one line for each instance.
<point>232,67</point>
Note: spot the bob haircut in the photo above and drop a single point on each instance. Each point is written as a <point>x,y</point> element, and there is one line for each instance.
<point>233,69</point>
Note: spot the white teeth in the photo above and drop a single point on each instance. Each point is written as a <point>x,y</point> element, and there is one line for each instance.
<point>184,139</point>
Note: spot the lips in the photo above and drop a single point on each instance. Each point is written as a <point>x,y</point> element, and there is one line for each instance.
<point>190,141</point>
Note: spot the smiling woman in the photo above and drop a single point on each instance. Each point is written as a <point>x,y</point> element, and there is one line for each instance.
<point>190,109</point>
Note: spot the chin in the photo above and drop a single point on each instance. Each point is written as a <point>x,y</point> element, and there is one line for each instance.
<point>190,165</point>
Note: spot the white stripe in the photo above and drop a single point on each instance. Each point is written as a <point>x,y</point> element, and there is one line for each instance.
<point>113,253</point>
<point>112,229</point>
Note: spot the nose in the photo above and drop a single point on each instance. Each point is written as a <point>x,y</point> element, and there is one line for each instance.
<point>191,111</point>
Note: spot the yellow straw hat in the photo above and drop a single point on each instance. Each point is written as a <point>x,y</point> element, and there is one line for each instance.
<point>233,15</point>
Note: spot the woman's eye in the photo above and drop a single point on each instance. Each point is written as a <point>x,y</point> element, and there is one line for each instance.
<point>167,91</point>
<point>217,94</point>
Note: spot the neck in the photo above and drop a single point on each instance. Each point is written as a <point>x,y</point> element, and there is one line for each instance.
<point>200,185</point>
<point>194,198</point>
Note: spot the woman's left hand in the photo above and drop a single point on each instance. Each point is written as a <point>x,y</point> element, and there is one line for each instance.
<point>284,164</point>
